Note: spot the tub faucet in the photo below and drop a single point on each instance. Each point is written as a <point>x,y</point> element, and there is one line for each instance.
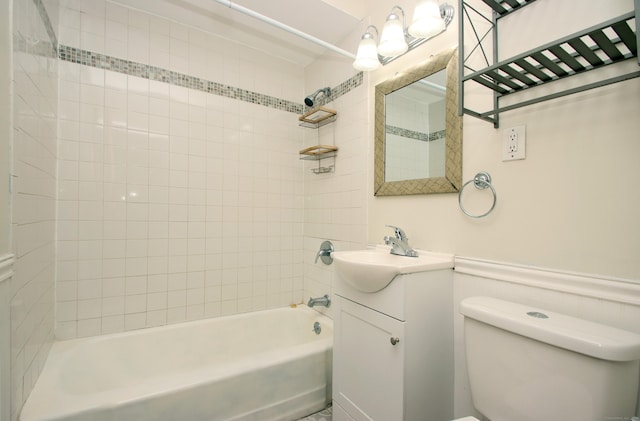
<point>320,301</point>
<point>400,243</point>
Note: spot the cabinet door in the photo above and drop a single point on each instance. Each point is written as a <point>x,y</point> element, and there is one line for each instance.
<point>368,370</point>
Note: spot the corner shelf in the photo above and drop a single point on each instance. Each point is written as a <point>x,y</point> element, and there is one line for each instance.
<point>610,42</point>
<point>317,117</point>
<point>318,152</point>
<point>314,119</point>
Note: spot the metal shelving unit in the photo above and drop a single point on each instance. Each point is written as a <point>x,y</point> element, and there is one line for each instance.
<point>608,43</point>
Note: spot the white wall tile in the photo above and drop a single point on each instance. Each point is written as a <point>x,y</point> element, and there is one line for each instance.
<point>112,287</point>
<point>112,324</point>
<point>89,309</point>
<point>152,183</point>
<point>135,321</point>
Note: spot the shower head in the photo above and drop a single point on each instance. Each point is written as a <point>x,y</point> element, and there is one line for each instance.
<point>312,98</point>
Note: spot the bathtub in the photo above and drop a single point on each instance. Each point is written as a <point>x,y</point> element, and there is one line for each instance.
<point>267,365</point>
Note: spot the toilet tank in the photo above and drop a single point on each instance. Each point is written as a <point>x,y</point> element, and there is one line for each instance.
<point>529,364</point>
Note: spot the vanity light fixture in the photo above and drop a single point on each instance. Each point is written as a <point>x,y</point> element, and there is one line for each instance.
<point>429,19</point>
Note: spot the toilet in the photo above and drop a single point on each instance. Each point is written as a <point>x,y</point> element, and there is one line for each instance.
<point>528,364</point>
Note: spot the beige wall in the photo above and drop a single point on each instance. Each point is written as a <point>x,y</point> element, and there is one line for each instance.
<point>5,222</point>
<point>571,205</point>
<point>5,123</point>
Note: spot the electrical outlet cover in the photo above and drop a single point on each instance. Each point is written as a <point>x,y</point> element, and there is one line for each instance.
<point>513,143</point>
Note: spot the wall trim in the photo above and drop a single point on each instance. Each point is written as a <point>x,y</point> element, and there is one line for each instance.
<point>618,290</point>
<point>6,266</point>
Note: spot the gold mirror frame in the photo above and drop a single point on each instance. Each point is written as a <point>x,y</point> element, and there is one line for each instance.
<point>452,180</point>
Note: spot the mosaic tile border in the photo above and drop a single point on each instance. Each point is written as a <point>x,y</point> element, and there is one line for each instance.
<point>411,134</point>
<point>131,68</point>
<point>34,47</point>
<point>343,88</point>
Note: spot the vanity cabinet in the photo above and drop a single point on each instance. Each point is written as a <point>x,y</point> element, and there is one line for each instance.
<point>393,350</point>
<point>368,368</point>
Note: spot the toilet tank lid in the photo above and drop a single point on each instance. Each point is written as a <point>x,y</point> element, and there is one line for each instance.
<point>578,335</point>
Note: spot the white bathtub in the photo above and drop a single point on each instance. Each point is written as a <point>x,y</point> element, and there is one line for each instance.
<point>267,365</point>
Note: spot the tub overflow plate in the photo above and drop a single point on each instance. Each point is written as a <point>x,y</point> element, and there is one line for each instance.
<point>537,314</point>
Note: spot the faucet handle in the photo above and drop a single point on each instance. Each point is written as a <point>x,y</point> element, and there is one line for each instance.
<point>400,234</point>
<point>322,253</point>
<point>326,248</point>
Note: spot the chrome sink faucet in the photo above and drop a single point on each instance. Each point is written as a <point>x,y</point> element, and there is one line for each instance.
<point>400,243</point>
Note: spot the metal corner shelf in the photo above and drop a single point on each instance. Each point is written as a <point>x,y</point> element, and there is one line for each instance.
<point>317,117</point>
<point>314,119</point>
<point>317,152</point>
<point>610,42</point>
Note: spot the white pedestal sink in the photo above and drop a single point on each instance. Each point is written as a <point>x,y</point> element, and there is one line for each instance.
<point>372,269</point>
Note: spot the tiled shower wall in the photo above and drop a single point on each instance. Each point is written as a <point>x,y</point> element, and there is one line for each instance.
<point>33,185</point>
<point>335,203</point>
<point>174,203</point>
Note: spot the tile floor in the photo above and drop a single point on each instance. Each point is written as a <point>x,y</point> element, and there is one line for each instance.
<point>324,415</point>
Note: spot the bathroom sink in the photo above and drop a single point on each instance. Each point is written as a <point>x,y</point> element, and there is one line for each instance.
<point>372,269</point>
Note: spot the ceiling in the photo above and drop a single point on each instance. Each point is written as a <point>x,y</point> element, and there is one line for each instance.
<point>318,18</point>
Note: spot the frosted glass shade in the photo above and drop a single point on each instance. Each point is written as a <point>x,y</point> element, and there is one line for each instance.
<point>367,55</point>
<point>427,20</point>
<point>392,42</point>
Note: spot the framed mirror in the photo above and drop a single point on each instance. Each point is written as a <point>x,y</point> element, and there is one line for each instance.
<point>418,132</point>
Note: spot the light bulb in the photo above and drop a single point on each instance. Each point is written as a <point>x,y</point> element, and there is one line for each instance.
<point>427,20</point>
<point>392,41</point>
<point>367,55</point>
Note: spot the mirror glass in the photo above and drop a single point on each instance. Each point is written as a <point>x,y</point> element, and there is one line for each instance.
<point>415,129</point>
<point>418,133</point>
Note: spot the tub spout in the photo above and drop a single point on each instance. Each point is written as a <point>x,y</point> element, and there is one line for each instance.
<point>320,301</point>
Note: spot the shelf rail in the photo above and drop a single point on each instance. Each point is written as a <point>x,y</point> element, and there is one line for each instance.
<point>610,42</point>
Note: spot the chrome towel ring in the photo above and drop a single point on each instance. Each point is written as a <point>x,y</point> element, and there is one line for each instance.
<point>482,180</point>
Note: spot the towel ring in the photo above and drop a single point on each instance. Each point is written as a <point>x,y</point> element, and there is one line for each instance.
<point>482,180</point>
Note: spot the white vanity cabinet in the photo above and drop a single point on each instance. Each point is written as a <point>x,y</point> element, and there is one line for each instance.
<point>393,350</point>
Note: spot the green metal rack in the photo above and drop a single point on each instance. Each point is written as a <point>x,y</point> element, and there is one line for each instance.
<point>610,42</point>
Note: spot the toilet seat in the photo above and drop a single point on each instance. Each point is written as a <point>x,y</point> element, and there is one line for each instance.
<point>466,419</point>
